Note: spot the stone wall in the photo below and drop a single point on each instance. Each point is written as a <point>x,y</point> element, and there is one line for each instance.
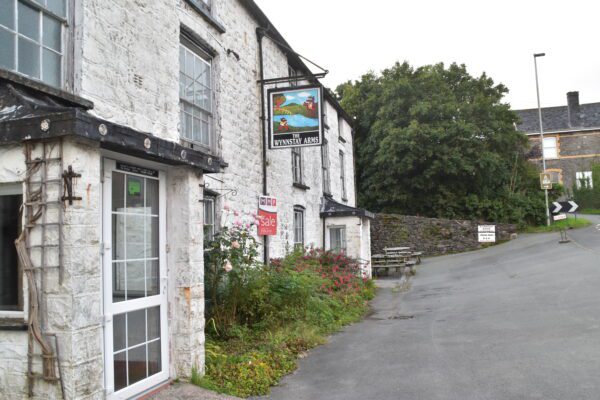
<point>432,236</point>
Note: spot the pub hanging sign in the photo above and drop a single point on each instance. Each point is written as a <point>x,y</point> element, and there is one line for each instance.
<point>295,117</point>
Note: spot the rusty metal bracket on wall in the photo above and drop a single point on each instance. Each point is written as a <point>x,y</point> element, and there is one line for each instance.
<point>68,176</point>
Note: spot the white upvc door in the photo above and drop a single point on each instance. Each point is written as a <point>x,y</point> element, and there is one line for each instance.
<point>135,284</point>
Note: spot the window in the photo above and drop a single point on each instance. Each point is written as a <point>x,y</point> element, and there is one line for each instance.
<point>325,167</point>
<point>31,38</point>
<point>550,147</point>
<point>340,128</point>
<point>337,239</point>
<point>343,175</point>
<point>555,175</point>
<point>11,198</point>
<point>209,219</point>
<point>584,180</point>
<point>297,164</point>
<point>298,227</point>
<point>195,94</point>
<point>292,73</point>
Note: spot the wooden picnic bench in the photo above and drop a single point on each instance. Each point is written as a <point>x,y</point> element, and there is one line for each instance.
<point>396,259</point>
<point>384,262</point>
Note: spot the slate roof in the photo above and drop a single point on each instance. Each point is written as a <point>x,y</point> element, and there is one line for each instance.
<point>557,119</point>
<point>334,209</point>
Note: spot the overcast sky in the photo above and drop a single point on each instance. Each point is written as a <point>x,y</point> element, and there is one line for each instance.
<point>351,37</point>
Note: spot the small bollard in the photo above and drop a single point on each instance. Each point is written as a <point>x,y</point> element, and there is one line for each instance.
<point>563,237</point>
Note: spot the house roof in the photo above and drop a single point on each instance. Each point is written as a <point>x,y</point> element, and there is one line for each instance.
<point>30,112</point>
<point>557,119</point>
<point>332,208</point>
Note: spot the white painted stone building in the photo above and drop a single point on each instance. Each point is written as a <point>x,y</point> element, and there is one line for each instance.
<point>125,127</point>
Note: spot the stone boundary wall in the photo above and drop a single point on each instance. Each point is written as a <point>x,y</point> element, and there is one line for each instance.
<point>432,236</point>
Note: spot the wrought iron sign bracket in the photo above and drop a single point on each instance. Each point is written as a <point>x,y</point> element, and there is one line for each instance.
<point>227,191</point>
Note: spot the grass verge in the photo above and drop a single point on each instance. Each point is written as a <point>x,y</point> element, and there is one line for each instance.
<point>569,223</point>
<point>591,211</point>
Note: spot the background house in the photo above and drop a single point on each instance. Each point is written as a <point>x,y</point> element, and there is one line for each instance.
<point>571,139</point>
<point>125,128</point>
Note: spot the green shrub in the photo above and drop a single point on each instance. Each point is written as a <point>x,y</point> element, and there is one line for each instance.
<point>262,317</point>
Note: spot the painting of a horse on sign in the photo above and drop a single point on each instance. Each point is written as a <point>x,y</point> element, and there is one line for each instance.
<point>295,111</point>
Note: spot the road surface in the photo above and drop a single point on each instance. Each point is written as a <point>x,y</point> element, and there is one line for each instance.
<point>519,320</point>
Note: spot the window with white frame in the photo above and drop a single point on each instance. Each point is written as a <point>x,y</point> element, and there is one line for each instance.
<point>298,227</point>
<point>325,167</point>
<point>297,164</point>
<point>11,198</point>
<point>583,179</point>
<point>343,175</point>
<point>209,219</point>
<point>337,239</point>
<point>32,38</point>
<point>550,147</point>
<point>195,94</point>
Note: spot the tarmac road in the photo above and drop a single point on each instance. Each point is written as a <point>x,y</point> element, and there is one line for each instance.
<point>519,320</point>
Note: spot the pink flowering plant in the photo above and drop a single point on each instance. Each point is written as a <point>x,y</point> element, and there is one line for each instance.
<point>229,261</point>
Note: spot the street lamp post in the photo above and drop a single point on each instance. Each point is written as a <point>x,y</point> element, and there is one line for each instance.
<point>537,88</point>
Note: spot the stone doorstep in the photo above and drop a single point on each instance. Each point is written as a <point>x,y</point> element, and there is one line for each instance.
<point>184,391</point>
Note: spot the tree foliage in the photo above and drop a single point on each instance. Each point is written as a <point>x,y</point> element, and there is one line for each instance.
<point>438,142</point>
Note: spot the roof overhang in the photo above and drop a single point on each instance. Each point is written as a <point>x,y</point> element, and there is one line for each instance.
<point>29,114</point>
<point>334,209</point>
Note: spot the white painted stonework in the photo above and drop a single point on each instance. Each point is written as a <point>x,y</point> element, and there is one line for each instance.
<point>127,62</point>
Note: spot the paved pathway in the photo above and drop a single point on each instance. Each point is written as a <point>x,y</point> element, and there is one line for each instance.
<point>516,321</point>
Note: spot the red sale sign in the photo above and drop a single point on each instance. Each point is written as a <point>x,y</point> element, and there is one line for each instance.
<point>267,215</point>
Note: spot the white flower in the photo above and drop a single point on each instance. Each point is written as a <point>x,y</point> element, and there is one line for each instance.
<point>227,267</point>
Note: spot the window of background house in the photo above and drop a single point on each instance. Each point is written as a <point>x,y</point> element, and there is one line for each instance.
<point>32,38</point>
<point>195,93</point>
<point>343,175</point>
<point>340,128</point>
<point>325,167</point>
<point>298,227</point>
<point>555,175</point>
<point>297,164</point>
<point>337,239</point>
<point>209,219</point>
<point>11,197</point>
<point>550,147</point>
<point>584,180</point>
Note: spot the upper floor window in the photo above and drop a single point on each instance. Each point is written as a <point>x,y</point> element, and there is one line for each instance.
<point>293,73</point>
<point>11,198</point>
<point>325,167</point>
<point>195,94</point>
<point>550,147</point>
<point>343,175</point>
<point>297,164</point>
<point>32,38</point>
<point>298,226</point>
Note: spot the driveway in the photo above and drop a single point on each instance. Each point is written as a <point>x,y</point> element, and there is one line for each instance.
<point>516,321</point>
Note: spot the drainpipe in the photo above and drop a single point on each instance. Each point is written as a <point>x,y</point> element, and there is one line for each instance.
<point>259,36</point>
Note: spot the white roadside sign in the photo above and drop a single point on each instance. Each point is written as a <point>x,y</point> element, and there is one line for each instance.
<point>560,216</point>
<point>486,233</point>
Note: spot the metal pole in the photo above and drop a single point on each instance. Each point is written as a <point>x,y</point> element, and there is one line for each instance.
<point>537,88</point>
<point>260,33</point>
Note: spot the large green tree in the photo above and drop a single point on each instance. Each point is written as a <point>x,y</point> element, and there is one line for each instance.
<point>438,142</point>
